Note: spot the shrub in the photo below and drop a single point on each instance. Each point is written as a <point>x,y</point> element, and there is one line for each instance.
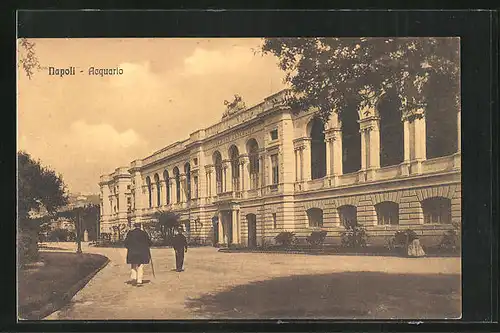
<point>317,238</point>
<point>285,238</point>
<point>265,243</point>
<point>452,238</point>
<point>403,238</point>
<point>61,235</point>
<point>196,241</point>
<point>28,245</point>
<point>354,237</point>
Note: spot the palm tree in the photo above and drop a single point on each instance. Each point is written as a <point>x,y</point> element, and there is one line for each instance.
<point>167,221</point>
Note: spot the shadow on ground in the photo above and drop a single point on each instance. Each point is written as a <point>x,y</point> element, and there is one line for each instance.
<point>347,295</point>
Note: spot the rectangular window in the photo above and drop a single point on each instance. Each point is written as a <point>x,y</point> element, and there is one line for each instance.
<point>117,203</point>
<point>195,161</point>
<point>274,134</point>
<point>275,169</point>
<point>275,224</point>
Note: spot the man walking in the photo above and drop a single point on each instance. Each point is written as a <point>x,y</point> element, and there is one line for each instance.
<point>137,243</point>
<point>180,246</point>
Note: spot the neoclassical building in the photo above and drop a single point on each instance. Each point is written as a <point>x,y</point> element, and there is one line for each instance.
<point>266,169</point>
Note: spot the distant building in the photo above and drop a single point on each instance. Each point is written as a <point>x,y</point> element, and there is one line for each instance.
<point>266,169</point>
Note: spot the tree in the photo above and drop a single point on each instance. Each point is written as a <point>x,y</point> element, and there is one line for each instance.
<point>84,218</point>
<point>27,56</point>
<point>39,188</point>
<point>167,222</point>
<point>335,74</point>
<point>40,193</point>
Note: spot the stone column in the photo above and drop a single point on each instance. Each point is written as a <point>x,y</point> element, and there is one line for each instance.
<point>153,194</point>
<point>334,155</point>
<point>174,191</point>
<point>208,183</point>
<point>228,176</point>
<point>244,175</point>
<point>262,170</point>
<point>168,185</point>
<point>419,141</point>
<point>209,171</point>
<point>138,194</point>
<point>370,146</point>
<point>194,189</point>
<point>301,163</point>
<point>213,181</point>
<point>405,166</point>
<point>182,182</point>
<point>337,152</point>
<point>374,137</point>
<point>306,159</point>
<point>221,237</point>
<point>235,229</point>
<point>296,154</point>
<point>329,155</point>
<point>415,141</point>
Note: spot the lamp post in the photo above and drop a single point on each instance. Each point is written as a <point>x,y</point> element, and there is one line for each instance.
<point>78,231</point>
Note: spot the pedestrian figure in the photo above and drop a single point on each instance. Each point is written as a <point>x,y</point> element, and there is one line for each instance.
<point>137,243</point>
<point>180,246</point>
<point>415,249</point>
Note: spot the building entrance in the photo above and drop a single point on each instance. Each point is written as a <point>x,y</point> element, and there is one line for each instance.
<point>228,231</point>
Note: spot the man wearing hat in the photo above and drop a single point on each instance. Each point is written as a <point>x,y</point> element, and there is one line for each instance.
<point>137,243</point>
<point>179,243</point>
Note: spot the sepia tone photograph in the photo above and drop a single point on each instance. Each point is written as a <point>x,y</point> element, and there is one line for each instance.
<point>239,178</point>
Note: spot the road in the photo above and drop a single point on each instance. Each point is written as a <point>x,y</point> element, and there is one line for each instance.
<point>219,285</point>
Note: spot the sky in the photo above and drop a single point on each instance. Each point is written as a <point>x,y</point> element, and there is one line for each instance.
<point>84,126</point>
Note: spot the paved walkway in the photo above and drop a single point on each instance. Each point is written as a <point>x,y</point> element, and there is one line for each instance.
<point>251,285</point>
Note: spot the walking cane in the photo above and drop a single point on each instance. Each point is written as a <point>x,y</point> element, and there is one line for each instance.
<point>152,267</point>
<point>151,259</point>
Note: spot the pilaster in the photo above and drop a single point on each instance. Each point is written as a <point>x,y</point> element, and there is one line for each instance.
<point>244,177</point>
<point>227,176</point>
<point>235,226</point>
<point>415,141</point>
<point>182,182</point>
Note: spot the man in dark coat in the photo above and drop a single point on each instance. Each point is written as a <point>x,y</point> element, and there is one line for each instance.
<point>137,243</point>
<point>180,246</point>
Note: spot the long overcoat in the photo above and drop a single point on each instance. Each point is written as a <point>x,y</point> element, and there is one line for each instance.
<point>137,243</point>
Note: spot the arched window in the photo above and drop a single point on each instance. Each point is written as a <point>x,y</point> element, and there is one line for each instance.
<point>253,156</point>
<point>177,184</point>
<point>351,141</point>
<point>150,199</point>
<point>315,217</point>
<point>387,213</point>
<point>318,149</point>
<point>348,215</point>
<point>158,190</point>
<point>391,130</point>
<point>441,118</point>
<point>234,155</point>
<point>218,171</point>
<point>187,171</point>
<point>166,178</point>
<point>437,210</point>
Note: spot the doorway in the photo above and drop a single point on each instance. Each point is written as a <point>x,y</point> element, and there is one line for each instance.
<point>252,230</point>
<point>215,226</point>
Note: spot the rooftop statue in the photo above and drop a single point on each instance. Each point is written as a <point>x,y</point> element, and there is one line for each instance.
<point>232,107</point>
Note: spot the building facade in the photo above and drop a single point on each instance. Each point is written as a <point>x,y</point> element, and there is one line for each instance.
<point>266,169</point>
